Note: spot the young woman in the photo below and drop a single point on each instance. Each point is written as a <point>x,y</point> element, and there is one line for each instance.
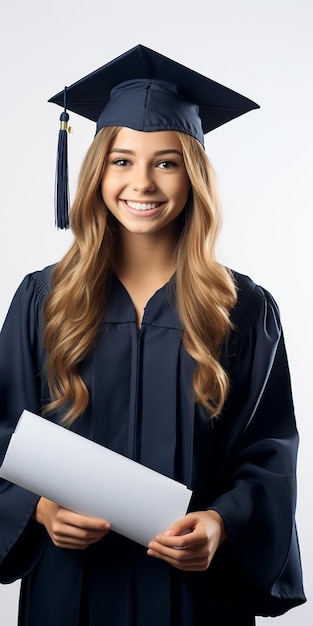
<point>141,341</point>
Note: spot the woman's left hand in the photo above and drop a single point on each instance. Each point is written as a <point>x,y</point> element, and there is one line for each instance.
<point>190,543</point>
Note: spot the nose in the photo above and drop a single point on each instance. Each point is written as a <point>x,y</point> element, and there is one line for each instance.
<point>143,181</point>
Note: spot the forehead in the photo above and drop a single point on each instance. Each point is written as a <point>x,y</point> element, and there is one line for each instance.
<point>137,141</point>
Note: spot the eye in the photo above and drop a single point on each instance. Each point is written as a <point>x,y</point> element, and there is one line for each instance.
<point>166,165</point>
<point>121,162</point>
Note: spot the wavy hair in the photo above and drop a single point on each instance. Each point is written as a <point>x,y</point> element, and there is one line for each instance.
<point>205,290</point>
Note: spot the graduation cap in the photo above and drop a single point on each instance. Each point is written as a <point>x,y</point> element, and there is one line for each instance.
<point>146,91</point>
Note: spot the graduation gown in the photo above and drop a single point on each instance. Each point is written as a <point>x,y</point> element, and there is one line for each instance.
<point>242,465</point>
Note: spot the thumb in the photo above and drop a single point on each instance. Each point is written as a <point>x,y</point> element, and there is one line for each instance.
<point>181,527</point>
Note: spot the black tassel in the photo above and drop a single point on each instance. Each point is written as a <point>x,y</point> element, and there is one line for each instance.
<point>61,183</point>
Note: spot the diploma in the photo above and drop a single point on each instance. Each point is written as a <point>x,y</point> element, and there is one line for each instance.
<point>83,476</point>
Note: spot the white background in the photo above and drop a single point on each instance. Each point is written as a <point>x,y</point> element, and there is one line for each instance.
<point>261,48</point>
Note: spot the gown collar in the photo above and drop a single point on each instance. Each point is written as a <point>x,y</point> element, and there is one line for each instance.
<point>160,309</point>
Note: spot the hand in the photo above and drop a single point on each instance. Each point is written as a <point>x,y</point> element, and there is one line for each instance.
<point>68,529</point>
<point>190,543</point>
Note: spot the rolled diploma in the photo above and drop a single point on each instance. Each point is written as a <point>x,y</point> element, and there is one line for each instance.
<point>85,477</point>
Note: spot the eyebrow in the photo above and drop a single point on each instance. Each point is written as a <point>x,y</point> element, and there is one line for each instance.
<point>158,153</point>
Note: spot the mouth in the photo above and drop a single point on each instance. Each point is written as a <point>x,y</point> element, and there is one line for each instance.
<point>143,206</point>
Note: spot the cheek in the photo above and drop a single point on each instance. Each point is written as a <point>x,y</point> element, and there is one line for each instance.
<point>184,190</point>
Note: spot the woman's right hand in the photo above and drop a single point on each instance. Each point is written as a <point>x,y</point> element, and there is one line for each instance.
<point>68,529</point>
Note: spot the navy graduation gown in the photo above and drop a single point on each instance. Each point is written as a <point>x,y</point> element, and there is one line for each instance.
<point>242,465</point>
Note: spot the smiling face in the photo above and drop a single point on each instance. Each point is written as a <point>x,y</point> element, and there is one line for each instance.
<point>145,183</point>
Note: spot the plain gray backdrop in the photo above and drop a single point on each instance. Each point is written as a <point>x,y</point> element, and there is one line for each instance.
<point>261,48</point>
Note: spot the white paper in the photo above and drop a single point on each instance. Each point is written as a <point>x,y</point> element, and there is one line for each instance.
<point>83,476</point>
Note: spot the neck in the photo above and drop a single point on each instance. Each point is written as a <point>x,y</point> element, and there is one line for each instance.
<point>144,257</point>
<point>145,264</point>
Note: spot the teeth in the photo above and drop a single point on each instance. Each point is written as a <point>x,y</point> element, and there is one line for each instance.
<point>142,206</point>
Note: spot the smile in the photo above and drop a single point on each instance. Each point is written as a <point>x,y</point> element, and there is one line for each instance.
<point>143,206</point>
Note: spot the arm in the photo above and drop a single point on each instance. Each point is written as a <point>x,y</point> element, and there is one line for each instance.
<point>257,495</point>
<point>21,362</point>
<point>250,481</point>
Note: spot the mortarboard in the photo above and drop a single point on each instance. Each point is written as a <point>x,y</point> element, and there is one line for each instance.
<point>146,91</point>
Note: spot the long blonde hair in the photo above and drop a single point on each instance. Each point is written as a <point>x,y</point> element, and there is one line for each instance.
<point>205,289</point>
<point>80,286</point>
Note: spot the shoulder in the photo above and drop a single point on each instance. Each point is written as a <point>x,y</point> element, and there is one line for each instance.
<point>252,300</point>
<point>38,283</point>
<point>31,294</point>
<point>25,315</point>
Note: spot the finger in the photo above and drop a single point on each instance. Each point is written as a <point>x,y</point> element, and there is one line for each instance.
<point>71,543</point>
<point>81,521</point>
<point>181,527</point>
<point>176,552</point>
<point>187,539</point>
<point>189,563</point>
<point>84,534</point>
<point>71,537</point>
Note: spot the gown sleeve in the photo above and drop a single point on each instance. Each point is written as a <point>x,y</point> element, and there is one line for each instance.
<point>259,459</point>
<point>21,360</point>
